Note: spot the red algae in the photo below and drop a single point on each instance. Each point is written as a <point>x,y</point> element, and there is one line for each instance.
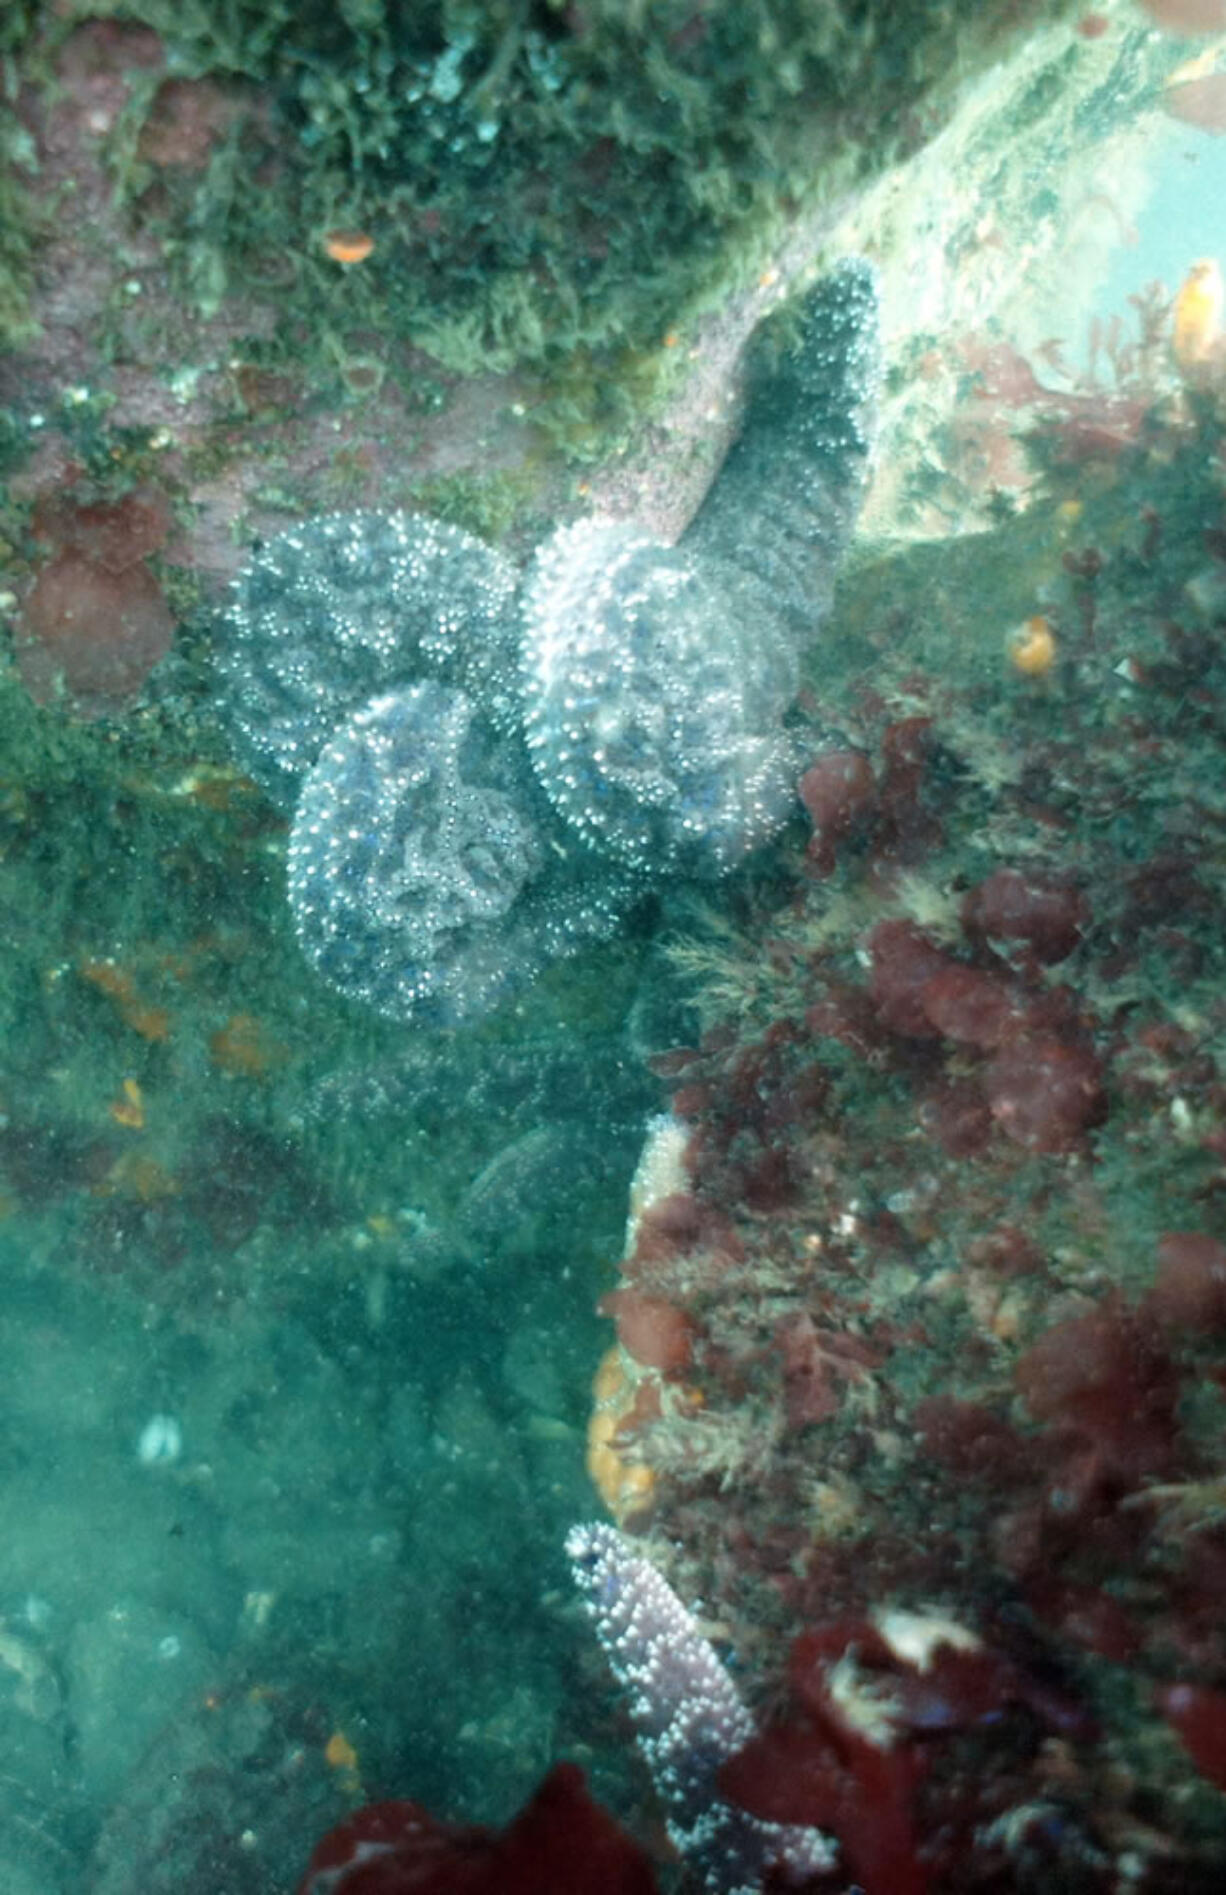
<point>970,1440</point>
<point>560,1843</point>
<point>1088,1616</point>
<point>971,1005</point>
<point>1198,1715</point>
<point>678,1225</point>
<point>118,534</point>
<point>826,1773</point>
<point>1190,1288</point>
<point>904,962</point>
<point>653,1331</point>
<point>956,1113</point>
<point>184,123</point>
<point>1044,1093</point>
<point>817,1364</point>
<point>838,790</point>
<point>95,621</point>
<point>91,636</point>
<point>1106,1377</point>
<point>851,1750</point>
<point>1043,917</point>
<point>908,827</point>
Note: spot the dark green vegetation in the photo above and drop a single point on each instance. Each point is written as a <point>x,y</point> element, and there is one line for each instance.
<point>547,188</point>
<point>16,163</point>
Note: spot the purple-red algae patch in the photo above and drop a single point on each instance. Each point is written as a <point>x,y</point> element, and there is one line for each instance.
<point>904,962</point>
<point>1198,1715</point>
<point>1106,1378</point>
<point>955,1112</point>
<point>972,1005</point>
<point>1040,917</point>
<point>838,790</point>
<point>117,534</point>
<point>91,636</point>
<point>655,1332</point>
<point>1045,1093</point>
<point>95,621</point>
<point>1189,1290</point>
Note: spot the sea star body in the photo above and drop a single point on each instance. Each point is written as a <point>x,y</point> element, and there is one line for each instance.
<point>485,777</point>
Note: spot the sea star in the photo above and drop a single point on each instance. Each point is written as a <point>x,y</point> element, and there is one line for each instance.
<point>385,669</point>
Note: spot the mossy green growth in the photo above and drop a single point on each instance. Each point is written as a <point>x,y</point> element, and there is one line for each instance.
<point>488,506</point>
<point>542,184</point>
<point>17,161</point>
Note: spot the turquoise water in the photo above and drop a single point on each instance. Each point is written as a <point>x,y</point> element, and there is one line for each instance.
<point>289,1358</point>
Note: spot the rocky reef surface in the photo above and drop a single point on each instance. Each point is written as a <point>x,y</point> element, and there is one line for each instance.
<point>921,1328</point>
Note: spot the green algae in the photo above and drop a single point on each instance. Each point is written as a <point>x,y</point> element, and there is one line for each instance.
<point>545,190</point>
<point>18,161</point>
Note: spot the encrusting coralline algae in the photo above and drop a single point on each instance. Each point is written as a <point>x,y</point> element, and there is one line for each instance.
<point>485,783</point>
